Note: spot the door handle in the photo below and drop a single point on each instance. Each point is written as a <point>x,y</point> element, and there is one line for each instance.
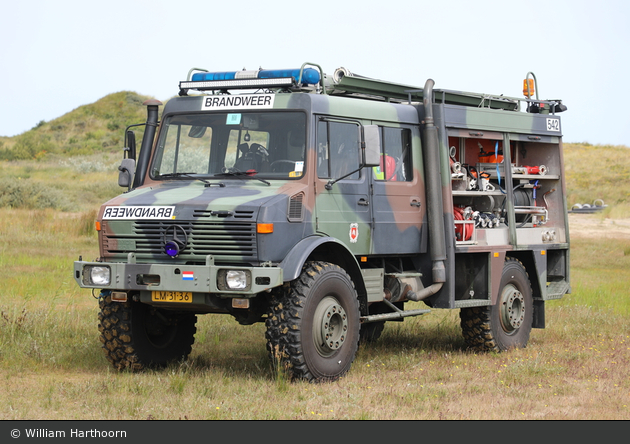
<point>363,202</point>
<point>415,203</point>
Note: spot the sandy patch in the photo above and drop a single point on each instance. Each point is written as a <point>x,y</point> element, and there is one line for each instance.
<point>594,226</point>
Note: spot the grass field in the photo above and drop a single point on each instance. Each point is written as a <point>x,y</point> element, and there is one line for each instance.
<point>52,367</point>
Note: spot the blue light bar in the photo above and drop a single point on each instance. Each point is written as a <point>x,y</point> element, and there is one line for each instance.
<point>205,76</point>
<point>309,75</point>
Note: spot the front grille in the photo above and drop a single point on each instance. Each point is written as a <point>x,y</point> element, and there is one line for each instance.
<point>223,240</point>
<point>238,214</point>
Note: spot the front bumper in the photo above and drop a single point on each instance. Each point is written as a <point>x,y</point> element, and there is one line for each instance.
<point>208,278</point>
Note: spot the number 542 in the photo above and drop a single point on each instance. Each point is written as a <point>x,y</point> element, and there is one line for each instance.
<point>553,124</point>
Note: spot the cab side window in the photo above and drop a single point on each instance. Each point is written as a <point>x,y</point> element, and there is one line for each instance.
<point>337,150</point>
<point>395,162</point>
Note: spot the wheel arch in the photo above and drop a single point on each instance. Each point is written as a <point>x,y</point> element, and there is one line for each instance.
<point>535,264</point>
<point>326,249</point>
<point>533,267</point>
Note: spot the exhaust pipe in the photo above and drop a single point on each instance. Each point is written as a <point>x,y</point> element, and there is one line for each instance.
<point>147,141</point>
<point>408,289</point>
<point>435,208</point>
<point>401,289</point>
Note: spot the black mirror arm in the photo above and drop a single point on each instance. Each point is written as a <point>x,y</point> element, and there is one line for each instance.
<point>331,182</point>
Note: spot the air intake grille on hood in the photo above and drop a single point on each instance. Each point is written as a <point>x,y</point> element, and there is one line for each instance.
<point>223,240</point>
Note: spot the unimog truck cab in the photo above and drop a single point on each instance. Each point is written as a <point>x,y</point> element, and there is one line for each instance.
<point>325,206</point>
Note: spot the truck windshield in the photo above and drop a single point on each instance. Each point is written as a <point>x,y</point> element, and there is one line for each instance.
<point>265,144</point>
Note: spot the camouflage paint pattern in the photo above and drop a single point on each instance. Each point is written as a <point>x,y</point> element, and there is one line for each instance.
<point>360,223</point>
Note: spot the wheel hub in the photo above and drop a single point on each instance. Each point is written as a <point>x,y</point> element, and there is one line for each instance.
<point>512,308</point>
<point>330,326</point>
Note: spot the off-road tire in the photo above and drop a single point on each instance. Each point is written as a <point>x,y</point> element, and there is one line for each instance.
<point>136,336</point>
<point>507,324</point>
<point>371,331</point>
<point>322,302</point>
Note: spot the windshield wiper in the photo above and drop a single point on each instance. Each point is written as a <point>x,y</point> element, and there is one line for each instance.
<point>248,174</point>
<point>190,176</point>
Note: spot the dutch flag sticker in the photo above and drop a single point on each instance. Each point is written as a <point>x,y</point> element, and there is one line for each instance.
<point>187,276</point>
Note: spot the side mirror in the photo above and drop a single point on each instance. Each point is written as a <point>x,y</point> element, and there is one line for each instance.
<point>125,176</point>
<point>372,146</point>
<point>131,145</point>
<point>197,132</point>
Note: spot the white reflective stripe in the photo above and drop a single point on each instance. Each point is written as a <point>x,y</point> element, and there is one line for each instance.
<point>246,74</point>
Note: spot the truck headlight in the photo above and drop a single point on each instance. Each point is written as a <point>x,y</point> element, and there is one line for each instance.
<point>234,280</point>
<point>97,275</point>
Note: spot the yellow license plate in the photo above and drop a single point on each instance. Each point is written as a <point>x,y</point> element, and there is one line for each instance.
<point>171,296</point>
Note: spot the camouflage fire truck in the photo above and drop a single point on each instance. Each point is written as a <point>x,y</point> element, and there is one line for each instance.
<point>325,206</point>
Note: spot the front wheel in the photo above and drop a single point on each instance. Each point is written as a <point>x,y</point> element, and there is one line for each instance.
<point>136,336</point>
<point>313,326</point>
<point>507,324</point>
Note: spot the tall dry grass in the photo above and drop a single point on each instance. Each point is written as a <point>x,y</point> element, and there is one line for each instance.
<point>51,365</point>
<point>596,173</point>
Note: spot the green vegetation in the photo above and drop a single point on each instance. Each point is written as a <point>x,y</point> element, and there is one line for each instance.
<point>70,163</point>
<point>52,366</point>
<point>603,269</point>
<point>598,172</point>
<point>94,128</point>
<point>68,184</point>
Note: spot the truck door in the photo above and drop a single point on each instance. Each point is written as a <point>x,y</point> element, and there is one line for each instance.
<point>398,197</point>
<point>343,211</point>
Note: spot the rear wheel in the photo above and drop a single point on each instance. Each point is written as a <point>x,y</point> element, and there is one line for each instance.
<point>507,324</point>
<point>136,336</point>
<point>313,326</point>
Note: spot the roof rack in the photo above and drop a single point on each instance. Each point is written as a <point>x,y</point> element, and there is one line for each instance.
<point>346,83</point>
<point>310,78</point>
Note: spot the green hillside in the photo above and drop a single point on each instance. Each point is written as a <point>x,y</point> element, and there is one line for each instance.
<point>598,172</point>
<point>97,127</point>
<point>70,163</point>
